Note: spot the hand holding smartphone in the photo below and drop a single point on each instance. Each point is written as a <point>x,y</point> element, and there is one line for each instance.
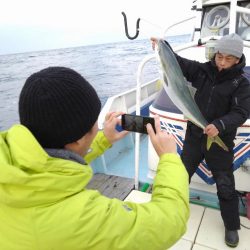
<point>162,141</point>
<point>136,123</point>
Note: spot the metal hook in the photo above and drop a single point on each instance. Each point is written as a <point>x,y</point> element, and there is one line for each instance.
<point>126,27</point>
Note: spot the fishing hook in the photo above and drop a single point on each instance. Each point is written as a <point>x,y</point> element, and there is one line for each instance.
<point>126,27</point>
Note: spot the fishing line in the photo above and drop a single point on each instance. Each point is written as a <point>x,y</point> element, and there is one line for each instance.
<point>150,33</point>
<point>245,226</point>
<point>153,24</point>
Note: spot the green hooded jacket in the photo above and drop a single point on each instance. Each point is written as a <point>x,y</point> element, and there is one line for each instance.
<point>44,203</point>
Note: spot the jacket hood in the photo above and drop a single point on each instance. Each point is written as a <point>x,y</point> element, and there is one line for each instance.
<point>30,177</point>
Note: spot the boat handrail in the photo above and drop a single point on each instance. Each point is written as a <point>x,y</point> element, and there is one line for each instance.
<point>234,9</point>
<point>119,102</point>
<point>138,109</point>
<point>177,23</point>
<point>202,41</point>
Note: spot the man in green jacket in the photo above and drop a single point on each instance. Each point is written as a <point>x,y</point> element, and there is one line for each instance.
<point>44,202</point>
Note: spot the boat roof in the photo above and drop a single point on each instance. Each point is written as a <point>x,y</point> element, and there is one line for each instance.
<point>215,2</point>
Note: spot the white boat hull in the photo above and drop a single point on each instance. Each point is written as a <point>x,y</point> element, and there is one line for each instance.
<point>176,124</point>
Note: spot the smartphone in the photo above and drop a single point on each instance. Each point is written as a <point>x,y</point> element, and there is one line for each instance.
<point>136,123</point>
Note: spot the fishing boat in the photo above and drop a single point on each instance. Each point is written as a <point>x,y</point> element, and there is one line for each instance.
<point>128,168</point>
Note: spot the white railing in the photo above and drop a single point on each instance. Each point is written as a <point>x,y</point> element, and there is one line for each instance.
<point>234,8</point>
<point>138,111</point>
<point>177,23</point>
<point>125,101</point>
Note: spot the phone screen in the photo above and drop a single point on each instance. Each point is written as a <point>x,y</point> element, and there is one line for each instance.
<point>136,123</point>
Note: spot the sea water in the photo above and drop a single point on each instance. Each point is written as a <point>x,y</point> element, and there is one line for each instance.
<point>111,68</point>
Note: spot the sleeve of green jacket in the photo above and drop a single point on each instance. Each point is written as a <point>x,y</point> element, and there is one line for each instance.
<point>155,225</point>
<point>165,217</point>
<point>98,147</point>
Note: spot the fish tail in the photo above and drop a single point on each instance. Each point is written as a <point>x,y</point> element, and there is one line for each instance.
<point>217,140</point>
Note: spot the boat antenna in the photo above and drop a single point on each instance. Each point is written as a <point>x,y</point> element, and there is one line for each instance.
<point>126,27</point>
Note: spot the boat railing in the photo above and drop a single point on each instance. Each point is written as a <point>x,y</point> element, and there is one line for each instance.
<point>125,101</point>
<point>138,110</point>
<point>202,41</point>
<point>178,23</point>
<point>234,9</point>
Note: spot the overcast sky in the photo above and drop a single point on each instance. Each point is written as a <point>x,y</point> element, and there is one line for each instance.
<point>30,25</point>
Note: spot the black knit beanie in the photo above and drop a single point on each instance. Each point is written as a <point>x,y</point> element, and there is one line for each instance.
<point>58,106</point>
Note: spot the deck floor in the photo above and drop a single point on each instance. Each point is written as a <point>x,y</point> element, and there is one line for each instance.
<point>112,186</point>
<point>205,230</point>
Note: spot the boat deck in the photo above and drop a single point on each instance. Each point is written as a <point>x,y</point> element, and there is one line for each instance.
<point>112,186</point>
<point>205,230</point>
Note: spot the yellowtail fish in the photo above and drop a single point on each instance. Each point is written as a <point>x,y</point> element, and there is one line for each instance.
<point>180,92</point>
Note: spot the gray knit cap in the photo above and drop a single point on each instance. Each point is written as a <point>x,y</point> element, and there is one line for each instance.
<point>231,45</point>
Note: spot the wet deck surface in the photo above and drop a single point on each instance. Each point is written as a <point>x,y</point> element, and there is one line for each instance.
<point>112,186</point>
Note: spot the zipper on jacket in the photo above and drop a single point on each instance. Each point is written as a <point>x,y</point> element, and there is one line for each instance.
<point>210,98</point>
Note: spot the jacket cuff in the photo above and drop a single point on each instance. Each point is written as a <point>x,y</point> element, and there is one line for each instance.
<point>219,124</point>
<point>103,139</point>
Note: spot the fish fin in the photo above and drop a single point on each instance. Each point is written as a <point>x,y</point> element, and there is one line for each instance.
<point>209,142</point>
<point>159,84</point>
<point>217,140</point>
<point>192,90</point>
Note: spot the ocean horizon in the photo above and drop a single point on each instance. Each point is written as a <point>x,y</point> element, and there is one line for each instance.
<point>111,68</point>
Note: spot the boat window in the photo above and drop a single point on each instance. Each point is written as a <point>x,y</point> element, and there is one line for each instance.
<point>217,17</point>
<point>245,16</point>
<point>216,20</point>
<point>243,28</point>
